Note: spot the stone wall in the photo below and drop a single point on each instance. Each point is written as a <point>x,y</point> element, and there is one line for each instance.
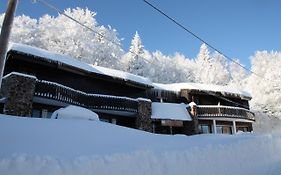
<point>18,90</point>
<point>192,127</point>
<point>194,115</point>
<point>143,118</point>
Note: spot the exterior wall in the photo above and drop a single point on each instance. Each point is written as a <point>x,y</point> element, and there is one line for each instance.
<point>202,98</point>
<point>85,81</point>
<point>18,91</point>
<point>143,118</point>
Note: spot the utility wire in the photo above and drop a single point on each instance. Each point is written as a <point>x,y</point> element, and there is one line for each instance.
<point>83,25</point>
<point>199,38</point>
<point>73,19</point>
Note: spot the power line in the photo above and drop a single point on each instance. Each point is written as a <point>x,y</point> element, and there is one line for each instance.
<point>199,38</point>
<point>81,24</point>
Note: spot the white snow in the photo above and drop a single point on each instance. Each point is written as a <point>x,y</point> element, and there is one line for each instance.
<point>144,99</point>
<point>203,87</point>
<point>67,147</point>
<point>192,104</point>
<point>170,111</point>
<point>20,74</point>
<point>75,112</point>
<point>78,64</point>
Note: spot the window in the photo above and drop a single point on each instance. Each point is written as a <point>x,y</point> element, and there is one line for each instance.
<point>243,129</point>
<point>227,130</point>
<point>219,129</point>
<point>224,129</point>
<point>205,129</point>
<point>44,113</point>
<point>36,113</point>
<point>114,121</point>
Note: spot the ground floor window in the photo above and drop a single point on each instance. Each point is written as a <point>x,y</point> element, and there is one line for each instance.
<point>41,113</point>
<point>227,130</point>
<point>36,113</point>
<point>243,129</point>
<point>205,129</point>
<point>224,129</point>
<point>219,129</point>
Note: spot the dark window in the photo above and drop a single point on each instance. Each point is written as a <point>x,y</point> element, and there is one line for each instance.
<point>205,129</point>
<point>36,113</point>
<point>219,129</point>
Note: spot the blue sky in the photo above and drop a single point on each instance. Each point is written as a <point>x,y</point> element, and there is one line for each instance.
<point>236,27</point>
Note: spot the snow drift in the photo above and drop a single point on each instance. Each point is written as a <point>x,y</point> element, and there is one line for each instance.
<point>47,146</point>
<point>75,112</point>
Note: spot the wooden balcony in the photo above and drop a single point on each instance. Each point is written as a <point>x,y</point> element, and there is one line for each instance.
<point>212,111</point>
<point>58,92</point>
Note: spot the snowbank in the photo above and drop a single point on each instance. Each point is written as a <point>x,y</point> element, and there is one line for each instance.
<point>75,112</point>
<point>57,147</point>
<point>266,124</point>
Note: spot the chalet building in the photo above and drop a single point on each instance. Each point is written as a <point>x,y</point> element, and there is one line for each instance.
<point>38,82</point>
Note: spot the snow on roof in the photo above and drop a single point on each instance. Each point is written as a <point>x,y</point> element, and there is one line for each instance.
<point>192,104</point>
<point>170,111</point>
<point>75,112</point>
<point>203,87</point>
<point>20,74</point>
<point>78,64</point>
<point>124,75</point>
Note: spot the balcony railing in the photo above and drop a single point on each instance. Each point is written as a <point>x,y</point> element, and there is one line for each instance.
<point>225,111</point>
<point>58,92</point>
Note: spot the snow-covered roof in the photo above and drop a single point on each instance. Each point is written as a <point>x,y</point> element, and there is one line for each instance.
<point>204,87</point>
<point>20,74</point>
<point>41,53</point>
<point>75,112</point>
<point>170,111</point>
<point>44,54</point>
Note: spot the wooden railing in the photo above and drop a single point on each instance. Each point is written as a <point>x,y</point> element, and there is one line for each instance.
<point>58,92</point>
<point>224,111</point>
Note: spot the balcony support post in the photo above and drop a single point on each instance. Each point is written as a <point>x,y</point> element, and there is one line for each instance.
<point>234,127</point>
<point>214,127</point>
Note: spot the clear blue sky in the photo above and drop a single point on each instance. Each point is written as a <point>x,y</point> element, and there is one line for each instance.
<point>236,27</point>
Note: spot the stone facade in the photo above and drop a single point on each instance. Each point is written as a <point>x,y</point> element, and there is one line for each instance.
<point>18,90</point>
<point>143,118</point>
<point>195,123</point>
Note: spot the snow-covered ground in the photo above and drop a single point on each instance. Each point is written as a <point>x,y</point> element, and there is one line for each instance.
<point>266,124</point>
<point>49,146</point>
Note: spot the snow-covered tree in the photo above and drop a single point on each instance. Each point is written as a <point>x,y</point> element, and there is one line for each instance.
<point>264,85</point>
<point>238,75</point>
<point>219,72</point>
<point>136,60</point>
<point>24,29</point>
<point>202,65</point>
<point>211,69</point>
<point>62,35</point>
<point>65,36</point>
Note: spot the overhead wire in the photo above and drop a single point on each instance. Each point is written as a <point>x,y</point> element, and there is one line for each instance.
<point>83,25</point>
<point>199,38</point>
